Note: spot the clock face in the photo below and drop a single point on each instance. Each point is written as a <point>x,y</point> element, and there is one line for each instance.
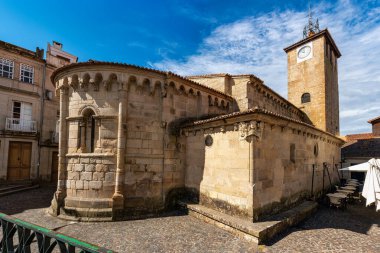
<point>304,52</point>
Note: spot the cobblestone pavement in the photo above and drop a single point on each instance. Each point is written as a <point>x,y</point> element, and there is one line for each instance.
<point>177,233</point>
<point>354,230</point>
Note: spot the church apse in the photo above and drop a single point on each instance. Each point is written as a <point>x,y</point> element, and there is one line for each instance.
<point>117,154</point>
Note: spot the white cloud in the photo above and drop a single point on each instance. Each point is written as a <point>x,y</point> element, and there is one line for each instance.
<point>255,45</point>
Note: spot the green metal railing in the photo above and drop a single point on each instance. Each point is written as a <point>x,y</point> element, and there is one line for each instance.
<point>47,240</point>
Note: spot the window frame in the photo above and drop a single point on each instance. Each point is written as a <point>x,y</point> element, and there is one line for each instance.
<point>11,67</point>
<point>22,76</point>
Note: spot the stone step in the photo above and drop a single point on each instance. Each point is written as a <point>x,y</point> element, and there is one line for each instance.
<point>256,232</point>
<point>11,190</point>
<point>6,188</point>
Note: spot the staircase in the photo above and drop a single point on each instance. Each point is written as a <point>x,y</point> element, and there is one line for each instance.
<point>14,188</point>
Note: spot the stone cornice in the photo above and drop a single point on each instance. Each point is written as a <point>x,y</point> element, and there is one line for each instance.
<point>164,74</point>
<point>90,155</point>
<point>324,32</point>
<point>268,117</point>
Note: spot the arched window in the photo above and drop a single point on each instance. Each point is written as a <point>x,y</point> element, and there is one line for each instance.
<point>305,98</point>
<point>87,131</point>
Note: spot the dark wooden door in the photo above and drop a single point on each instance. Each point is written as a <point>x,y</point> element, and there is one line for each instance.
<point>54,167</point>
<point>19,160</point>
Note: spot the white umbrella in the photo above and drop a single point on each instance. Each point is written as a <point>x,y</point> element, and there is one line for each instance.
<point>362,167</point>
<point>371,188</point>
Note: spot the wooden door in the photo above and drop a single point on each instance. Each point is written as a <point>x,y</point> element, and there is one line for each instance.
<point>54,167</point>
<point>19,160</point>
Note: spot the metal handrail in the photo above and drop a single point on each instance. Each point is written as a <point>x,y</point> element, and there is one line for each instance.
<point>47,240</point>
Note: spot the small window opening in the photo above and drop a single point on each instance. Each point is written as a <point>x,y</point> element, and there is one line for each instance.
<point>305,98</point>
<point>87,130</point>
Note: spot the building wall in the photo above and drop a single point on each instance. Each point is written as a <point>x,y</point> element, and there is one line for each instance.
<point>376,128</point>
<point>250,92</point>
<point>15,90</point>
<point>262,174</point>
<point>220,173</point>
<point>45,108</point>
<point>151,109</point>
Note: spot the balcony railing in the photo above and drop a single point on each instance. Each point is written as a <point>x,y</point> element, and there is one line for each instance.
<point>18,235</point>
<point>20,125</point>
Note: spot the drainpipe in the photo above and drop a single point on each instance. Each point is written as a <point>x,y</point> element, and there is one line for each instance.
<point>41,120</point>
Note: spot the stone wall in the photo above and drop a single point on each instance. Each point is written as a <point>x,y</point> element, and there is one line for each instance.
<point>265,173</point>
<point>137,118</point>
<point>250,92</point>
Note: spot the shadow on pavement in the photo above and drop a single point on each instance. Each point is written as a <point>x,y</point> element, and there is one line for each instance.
<point>32,199</point>
<point>356,218</point>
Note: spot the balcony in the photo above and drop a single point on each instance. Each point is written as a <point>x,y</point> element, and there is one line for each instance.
<point>20,125</point>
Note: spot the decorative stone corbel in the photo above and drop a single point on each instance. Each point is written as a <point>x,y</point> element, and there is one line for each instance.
<point>164,89</point>
<point>98,80</point>
<point>252,128</point>
<point>74,82</point>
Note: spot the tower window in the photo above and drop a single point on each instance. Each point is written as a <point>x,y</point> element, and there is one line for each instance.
<point>305,98</point>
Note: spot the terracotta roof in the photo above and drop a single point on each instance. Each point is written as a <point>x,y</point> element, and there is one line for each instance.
<point>310,38</point>
<point>363,136</point>
<point>210,75</point>
<point>166,73</point>
<point>255,110</point>
<point>371,121</point>
<point>221,75</point>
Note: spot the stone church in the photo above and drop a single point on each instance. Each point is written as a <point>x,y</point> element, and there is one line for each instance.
<point>133,139</point>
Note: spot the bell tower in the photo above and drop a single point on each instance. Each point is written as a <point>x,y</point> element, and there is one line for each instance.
<point>313,77</point>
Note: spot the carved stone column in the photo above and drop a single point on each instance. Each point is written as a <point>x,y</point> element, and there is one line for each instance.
<point>251,132</point>
<point>60,194</point>
<point>118,196</point>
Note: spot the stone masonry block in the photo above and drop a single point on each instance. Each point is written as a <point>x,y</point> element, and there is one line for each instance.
<point>101,168</point>
<point>89,167</point>
<point>110,177</point>
<point>95,185</point>
<point>86,176</point>
<point>79,185</point>
<point>73,175</point>
<point>98,176</point>
<point>79,167</point>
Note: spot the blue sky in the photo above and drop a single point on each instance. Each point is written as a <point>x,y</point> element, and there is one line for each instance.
<point>197,37</point>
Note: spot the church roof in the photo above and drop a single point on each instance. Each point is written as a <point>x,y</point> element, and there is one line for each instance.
<point>255,110</point>
<point>325,33</point>
<point>220,75</point>
<point>166,73</point>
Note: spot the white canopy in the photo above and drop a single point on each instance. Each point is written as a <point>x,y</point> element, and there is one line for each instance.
<point>362,167</point>
<point>371,188</point>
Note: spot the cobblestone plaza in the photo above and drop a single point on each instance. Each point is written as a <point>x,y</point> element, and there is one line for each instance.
<point>353,230</point>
